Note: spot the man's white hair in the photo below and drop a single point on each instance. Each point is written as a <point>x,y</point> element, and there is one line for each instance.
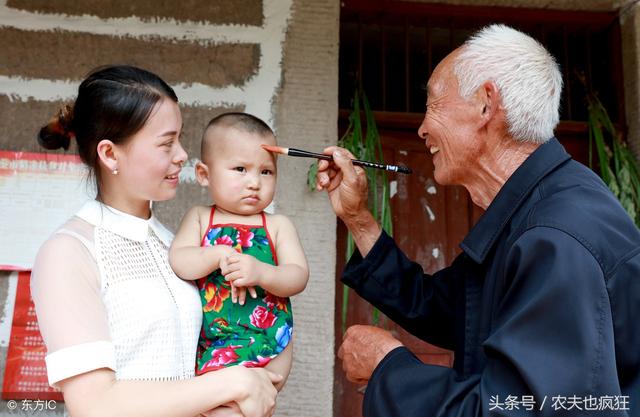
<point>527,76</point>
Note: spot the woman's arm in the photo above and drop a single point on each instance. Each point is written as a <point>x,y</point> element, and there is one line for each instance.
<point>187,258</point>
<point>98,393</point>
<point>287,278</point>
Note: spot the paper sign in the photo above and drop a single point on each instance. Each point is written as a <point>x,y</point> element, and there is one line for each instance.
<point>38,193</point>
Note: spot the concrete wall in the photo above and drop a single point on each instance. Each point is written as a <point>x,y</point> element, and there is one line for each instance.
<point>306,117</point>
<point>274,58</point>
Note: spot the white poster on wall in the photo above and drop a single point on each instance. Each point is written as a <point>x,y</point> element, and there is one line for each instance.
<point>38,193</point>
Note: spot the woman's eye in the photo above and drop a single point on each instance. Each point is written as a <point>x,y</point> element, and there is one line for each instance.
<point>240,169</point>
<point>267,172</point>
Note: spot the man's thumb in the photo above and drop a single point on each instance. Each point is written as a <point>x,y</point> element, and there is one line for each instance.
<point>343,161</point>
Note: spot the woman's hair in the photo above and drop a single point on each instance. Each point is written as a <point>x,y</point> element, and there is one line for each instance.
<point>114,103</point>
<point>527,76</point>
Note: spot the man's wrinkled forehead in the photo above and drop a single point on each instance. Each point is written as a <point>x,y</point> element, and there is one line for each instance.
<point>443,74</point>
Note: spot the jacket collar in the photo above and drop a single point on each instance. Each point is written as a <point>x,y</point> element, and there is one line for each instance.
<point>123,224</point>
<point>526,177</point>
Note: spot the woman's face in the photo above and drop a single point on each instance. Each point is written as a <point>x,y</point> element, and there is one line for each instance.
<point>150,162</point>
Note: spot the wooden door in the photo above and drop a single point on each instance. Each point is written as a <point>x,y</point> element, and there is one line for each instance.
<point>429,221</point>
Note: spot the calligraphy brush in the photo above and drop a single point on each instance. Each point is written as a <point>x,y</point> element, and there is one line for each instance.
<point>307,154</point>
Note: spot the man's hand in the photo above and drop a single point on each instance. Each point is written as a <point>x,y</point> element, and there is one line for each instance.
<point>362,350</point>
<point>345,183</point>
<point>347,187</point>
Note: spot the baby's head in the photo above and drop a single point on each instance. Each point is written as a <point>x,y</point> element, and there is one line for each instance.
<point>240,175</point>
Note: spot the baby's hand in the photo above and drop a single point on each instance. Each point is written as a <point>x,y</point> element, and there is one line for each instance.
<point>239,294</point>
<point>243,270</point>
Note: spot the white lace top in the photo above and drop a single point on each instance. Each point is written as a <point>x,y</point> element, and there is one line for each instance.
<point>106,297</point>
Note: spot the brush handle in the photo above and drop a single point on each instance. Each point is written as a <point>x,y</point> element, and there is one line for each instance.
<point>307,154</point>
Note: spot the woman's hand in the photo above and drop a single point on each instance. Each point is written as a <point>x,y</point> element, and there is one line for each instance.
<point>227,410</point>
<point>258,398</point>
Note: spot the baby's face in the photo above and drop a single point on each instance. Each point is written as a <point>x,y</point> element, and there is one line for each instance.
<point>242,175</point>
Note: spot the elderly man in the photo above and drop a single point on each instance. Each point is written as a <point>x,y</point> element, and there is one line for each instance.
<point>541,306</point>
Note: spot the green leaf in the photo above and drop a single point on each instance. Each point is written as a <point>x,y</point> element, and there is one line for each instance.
<point>311,176</point>
<point>619,169</point>
<point>366,145</point>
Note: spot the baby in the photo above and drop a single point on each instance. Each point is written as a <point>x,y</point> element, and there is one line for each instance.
<point>233,248</point>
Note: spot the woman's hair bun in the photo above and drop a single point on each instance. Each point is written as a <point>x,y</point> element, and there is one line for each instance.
<point>58,132</point>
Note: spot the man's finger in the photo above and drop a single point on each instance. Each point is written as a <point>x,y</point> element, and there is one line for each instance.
<point>343,159</point>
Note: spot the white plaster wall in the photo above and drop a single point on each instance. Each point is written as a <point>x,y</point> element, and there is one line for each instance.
<point>256,95</point>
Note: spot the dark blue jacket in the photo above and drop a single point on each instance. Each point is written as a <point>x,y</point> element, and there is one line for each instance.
<point>542,307</point>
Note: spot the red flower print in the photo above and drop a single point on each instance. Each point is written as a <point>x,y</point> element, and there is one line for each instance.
<point>221,357</point>
<point>224,240</point>
<point>262,318</point>
<point>244,237</point>
<point>276,302</point>
<point>214,296</point>
<point>260,363</point>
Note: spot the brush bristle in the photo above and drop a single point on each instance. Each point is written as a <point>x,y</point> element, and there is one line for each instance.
<point>275,149</point>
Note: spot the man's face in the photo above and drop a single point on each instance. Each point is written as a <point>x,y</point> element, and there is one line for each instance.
<point>450,126</point>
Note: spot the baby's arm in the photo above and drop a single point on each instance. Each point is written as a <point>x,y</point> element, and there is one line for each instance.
<point>281,365</point>
<point>187,258</point>
<point>291,274</point>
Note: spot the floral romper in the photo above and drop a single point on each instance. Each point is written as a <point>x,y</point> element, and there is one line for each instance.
<point>232,334</point>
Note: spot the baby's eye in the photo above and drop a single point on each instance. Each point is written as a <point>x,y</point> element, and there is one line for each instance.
<point>267,172</point>
<point>240,169</point>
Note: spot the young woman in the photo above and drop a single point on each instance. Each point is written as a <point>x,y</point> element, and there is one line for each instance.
<point>121,328</point>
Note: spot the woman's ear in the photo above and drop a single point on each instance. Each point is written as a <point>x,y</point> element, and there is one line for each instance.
<point>107,155</point>
<point>202,174</point>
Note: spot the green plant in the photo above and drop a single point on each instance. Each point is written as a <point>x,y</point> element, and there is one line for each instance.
<point>364,144</point>
<point>618,167</point>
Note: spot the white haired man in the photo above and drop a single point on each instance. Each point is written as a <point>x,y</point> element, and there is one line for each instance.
<point>540,306</point>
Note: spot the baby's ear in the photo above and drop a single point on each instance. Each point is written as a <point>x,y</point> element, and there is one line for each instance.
<point>202,174</point>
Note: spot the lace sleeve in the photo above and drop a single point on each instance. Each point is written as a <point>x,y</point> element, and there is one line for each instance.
<point>65,287</point>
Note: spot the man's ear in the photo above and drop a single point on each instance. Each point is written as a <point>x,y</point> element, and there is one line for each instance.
<point>202,174</point>
<point>107,154</point>
<point>489,100</point>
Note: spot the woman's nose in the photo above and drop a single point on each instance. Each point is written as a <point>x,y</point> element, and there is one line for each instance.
<point>181,155</point>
